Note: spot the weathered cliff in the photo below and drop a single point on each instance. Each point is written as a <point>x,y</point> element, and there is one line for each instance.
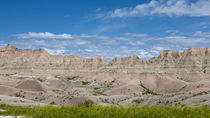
<point>194,60</point>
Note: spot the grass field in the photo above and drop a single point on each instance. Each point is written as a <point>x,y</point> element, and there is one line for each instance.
<point>98,111</point>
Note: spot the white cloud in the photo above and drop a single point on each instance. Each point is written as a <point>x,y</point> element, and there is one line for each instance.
<point>121,45</point>
<point>90,36</point>
<point>158,48</point>
<point>169,8</point>
<point>202,34</point>
<point>184,41</point>
<point>98,9</point>
<point>80,42</point>
<point>87,36</point>
<point>88,50</point>
<point>108,27</point>
<point>144,54</point>
<point>2,44</point>
<point>123,38</point>
<point>173,32</point>
<point>44,35</point>
<point>55,51</point>
<point>136,43</point>
<point>135,35</point>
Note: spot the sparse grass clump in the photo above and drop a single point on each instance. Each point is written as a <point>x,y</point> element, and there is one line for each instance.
<point>86,103</point>
<point>52,103</point>
<point>96,88</point>
<point>147,91</point>
<point>72,78</point>
<point>40,80</point>
<point>201,93</point>
<point>99,93</point>
<point>85,83</point>
<point>19,95</point>
<point>98,111</point>
<point>137,101</point>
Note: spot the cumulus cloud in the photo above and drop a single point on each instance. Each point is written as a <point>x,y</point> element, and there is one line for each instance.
<point>202,34</point>
<point>173,32</point>
<point>98,9</point>
<point>136,43</point>
<point>2,44</point>
<point>55,51</point>
<point>163,7</point>
<point>119,45</point>
<point>91,36</point>
<point>44,35</point>
<point>135,34</point>
<point>183,41</point>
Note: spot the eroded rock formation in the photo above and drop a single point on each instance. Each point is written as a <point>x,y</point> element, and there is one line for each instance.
<point>173,77</point>
<point>194,60</point>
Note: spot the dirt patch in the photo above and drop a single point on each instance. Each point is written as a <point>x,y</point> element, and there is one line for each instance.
<point>6,90</point>
<point>30,85</point>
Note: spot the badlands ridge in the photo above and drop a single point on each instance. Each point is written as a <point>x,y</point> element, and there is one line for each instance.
<point>34,77</point>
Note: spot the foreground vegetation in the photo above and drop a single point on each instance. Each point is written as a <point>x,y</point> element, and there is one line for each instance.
<point>98,111</point>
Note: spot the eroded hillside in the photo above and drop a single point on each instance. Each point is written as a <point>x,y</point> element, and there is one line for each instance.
<point>34,77</point>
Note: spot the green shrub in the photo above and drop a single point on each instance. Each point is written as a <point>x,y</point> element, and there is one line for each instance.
<point>19,95</point>
<point>137,101</point>
<point>96,88</point>
<point>86,103</point>
<point>72,78</point>
<point>99,93</point>
<point>40,80</point>
<point>85,83</point>
<point>147,91</point>
<point>52,103</point>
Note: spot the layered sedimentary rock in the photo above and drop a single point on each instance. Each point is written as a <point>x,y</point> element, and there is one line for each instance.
<point>194,60</point>
<point>173,77</point>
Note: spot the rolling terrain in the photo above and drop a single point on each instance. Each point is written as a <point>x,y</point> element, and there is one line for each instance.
<point>34,77</point>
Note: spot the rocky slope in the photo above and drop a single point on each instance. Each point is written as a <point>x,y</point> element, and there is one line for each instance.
<point>194,60</point>
<point>172,78</point>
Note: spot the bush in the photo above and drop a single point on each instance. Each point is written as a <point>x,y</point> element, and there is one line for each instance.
<point>40,80</point>
<point>19,95</point>
<point>52,103</point>
<point>147,91</point>
<point>137,101</point>
<point>86,103</point>
<point>85,83</point>
<point>99,93</point>
<point>72,78</point>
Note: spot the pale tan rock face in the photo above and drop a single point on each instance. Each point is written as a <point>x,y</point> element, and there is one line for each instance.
<point>35,75</point>
<point>194,60</point>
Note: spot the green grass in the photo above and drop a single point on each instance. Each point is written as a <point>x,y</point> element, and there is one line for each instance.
<point>147,91</point>
<point>19,95</point>
<point>72,78</point>
<point>52,103</point>
<point>100,93</point>
<point>98,111</point>
<point>85,83</point>
<point>40,80</point>
<point>97,88</point>
<point>137,101</point>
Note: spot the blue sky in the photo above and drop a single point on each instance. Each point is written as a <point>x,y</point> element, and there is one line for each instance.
<point>109,28</point>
